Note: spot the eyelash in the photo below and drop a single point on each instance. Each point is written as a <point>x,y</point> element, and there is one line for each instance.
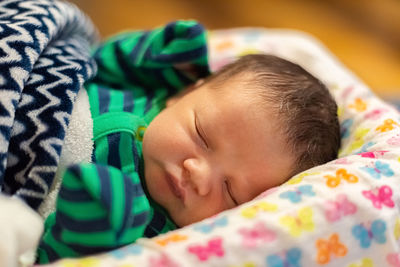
<point>228,188</point>
<point>198,132</point>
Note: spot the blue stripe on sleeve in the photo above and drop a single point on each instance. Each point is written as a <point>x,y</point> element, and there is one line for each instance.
<point>83,226</point>
<point>104,99</point>
<point>113,150</point>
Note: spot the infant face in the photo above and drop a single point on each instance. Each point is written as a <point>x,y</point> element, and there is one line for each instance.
<point>211,150</point>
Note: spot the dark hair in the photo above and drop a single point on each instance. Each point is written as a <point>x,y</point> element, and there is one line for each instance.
<point>307,111</point>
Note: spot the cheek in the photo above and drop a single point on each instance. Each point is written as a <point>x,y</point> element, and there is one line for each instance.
<point>164,137</point>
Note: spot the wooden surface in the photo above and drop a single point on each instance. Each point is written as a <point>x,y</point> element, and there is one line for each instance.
<point>364,34</point>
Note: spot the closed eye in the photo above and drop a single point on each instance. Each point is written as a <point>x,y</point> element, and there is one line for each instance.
<point>229,189</point>
<point>199,131</point>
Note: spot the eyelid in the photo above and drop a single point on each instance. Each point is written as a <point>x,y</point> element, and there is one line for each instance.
<point>200,131</point>
<point>228,186</point>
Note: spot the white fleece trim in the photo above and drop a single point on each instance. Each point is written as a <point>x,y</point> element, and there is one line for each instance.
<point>77,148</point>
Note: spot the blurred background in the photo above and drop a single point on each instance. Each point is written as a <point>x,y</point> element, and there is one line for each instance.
<point>364,34</point>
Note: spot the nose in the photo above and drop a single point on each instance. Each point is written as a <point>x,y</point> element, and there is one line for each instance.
<point>198,172</point>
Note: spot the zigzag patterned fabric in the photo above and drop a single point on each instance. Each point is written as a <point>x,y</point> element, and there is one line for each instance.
<point>44,61</point>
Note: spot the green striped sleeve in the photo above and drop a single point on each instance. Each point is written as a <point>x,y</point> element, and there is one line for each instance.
<point>98,209</point>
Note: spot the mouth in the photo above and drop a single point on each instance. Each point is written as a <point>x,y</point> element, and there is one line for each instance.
<point>173,184</point>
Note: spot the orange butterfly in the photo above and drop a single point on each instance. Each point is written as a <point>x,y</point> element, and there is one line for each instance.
<point>224,45</point>
<point>359,105</point>
<point>334,181</point>
<point>171,238</point>
<point>387,126</point>
<point>326,247</point>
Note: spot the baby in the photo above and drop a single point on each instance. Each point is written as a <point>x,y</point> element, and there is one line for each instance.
<point>168,160</point>
<point>247,128</point>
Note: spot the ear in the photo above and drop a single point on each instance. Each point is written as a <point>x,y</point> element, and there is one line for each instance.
<point>173,99</point>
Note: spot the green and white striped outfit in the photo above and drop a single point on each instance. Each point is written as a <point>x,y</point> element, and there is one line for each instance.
<point>104,205</point>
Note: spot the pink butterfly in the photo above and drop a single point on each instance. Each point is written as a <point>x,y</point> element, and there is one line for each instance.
<point>373,154</point>
<point>375,114</point>
<point>334,210</point>
<point>347,91</point>
<point>259,233</point>
<point>393,259</point>
<point>342,161</point>
<point>394,141</point>
<point>162,261</point>
<point>384,197</point>
<point>214,246</point>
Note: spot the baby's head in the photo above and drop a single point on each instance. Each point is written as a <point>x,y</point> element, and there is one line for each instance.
<point>248,127</point>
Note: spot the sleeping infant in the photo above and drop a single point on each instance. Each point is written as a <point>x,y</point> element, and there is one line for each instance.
<point>191,147</point>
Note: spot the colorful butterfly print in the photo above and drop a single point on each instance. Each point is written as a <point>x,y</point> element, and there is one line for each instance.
<point>333,181</point>
<point>303,222</point>
<point>387,125</point>
<point>359,135</point>
<point>345,128</point>
<point>162,261</point>
<point>298,178</point>
<point>376,232</point>
<point>393,259</point>
<point>365,147</point>
<point>126,251</point>
<point>82,262</point>
<point>224,45</point>
<point>346,91</point>
<point>295,196</point>
<point>246,264</point>
<point>251,212</point>
<point>377,169</point>
<point>256,235</point>
<point>339,112</point>
<point>359,105</point>
<point>375,114</point>
<point>366,262</point>
<point>344,161</point>
<point>396,230</point>
<point>290,258</point>
<point>213,247</point>
<point>383,197</point>
<point>209,227</point>
<point>171,238</point>
<point>373,154</point>
<point>394,141</point>
<point>251,36</point>
<point>327,247</point>
<point>334,210</point>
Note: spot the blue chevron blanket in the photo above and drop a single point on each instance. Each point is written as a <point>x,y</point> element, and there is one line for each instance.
<point>44,61</point>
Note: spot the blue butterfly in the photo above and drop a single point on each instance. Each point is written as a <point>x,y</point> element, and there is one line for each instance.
<point>126,251</point>
<point>252,35</point>
<point>345,128</point>
<point>365,147</point>
<point>295,196</point>
<point>379,169</point>
<point>377,233</point>
<point>208,227</point>
<point>291,259</point>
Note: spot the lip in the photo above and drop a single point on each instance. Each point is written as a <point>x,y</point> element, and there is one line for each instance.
<point>174,187</point>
